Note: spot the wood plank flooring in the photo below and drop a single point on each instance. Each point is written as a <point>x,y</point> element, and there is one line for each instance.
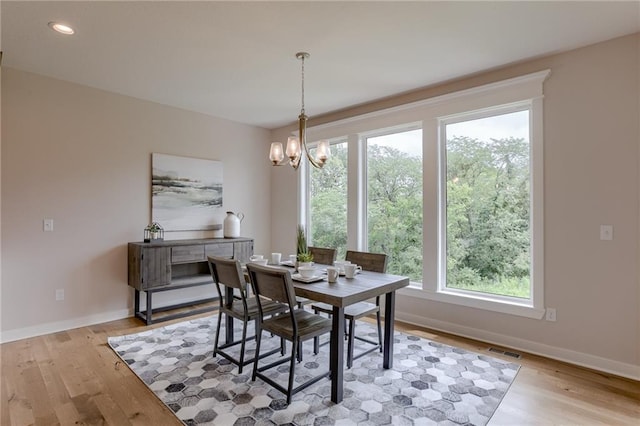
<point>74,378</point>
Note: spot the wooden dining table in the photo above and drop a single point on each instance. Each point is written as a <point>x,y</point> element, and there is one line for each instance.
<point>344,292</point>
<point>340,294</point>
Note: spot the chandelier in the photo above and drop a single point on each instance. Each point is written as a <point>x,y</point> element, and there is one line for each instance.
<point>296,146</point>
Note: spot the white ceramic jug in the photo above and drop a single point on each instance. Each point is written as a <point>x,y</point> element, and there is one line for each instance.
<point>232,224</point>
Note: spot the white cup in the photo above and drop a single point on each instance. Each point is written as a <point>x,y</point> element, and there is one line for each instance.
<point>293,258</point>
<point>332,274</point>
<point>340,265</point>
<point>307,271</point>
<point>262,262</point>
<point>275,258</point>
<point>350,270</point>
<point>256,257</point>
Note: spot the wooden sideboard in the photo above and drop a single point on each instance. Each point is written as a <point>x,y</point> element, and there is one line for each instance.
<point>172,265</point>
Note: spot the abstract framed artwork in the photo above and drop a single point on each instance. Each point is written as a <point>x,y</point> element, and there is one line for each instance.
<point>186,193</point>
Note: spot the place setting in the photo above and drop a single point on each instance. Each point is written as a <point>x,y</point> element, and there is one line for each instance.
<point>308,272</point>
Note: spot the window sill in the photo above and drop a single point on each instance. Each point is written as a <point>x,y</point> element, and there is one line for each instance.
<point>472,301</point>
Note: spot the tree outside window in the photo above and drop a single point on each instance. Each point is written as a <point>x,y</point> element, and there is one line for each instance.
<point>488,200</point>
<point>394,200</point>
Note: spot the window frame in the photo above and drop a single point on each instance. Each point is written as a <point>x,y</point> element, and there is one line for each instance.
<point>477,299</point>
<point>513,92</point>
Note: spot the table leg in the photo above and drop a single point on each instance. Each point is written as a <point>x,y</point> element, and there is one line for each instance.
<point>336,359</point>
<point>389,315</point>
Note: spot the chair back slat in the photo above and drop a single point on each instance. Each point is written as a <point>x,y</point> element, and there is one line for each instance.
<point>227,272</point>
<point>374,262</point>
<point>322,255</point>
<point>272,283</point>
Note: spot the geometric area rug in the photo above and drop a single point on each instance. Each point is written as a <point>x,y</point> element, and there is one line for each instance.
<point>430,383</point>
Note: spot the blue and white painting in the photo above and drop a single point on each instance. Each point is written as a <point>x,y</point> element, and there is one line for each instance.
<point>186,193</point>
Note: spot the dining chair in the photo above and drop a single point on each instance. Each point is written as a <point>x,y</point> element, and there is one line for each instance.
<point>296,325</point>
<point>374,262</point>
<point>322,255</point>
<point>228,276</point>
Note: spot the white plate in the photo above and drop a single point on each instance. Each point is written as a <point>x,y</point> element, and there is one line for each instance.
<point>298,277</point>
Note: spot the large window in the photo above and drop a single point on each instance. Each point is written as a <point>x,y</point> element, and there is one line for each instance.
<point>328,201</point>
<point>394,200</point>
<point>450,188</point>
<point>487,199</point>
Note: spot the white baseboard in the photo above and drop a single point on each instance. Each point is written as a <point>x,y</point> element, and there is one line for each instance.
<point>606,365</point>
<point>618,368</point>
<point>54,327</point>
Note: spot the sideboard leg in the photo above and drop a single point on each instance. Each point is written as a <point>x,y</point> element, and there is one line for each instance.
<point>149,308</point>
<point>136,303</point>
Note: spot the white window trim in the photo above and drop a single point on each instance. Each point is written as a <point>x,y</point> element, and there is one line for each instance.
<point>526,88</point>
<point>529,90</point>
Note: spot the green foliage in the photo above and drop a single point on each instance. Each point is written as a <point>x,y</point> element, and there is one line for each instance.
<point>394,209</point>
<point>303,253</point>
<point>488,200</point>
<point>305,257</point>
<point>488,210</point>
<point>329,202</point>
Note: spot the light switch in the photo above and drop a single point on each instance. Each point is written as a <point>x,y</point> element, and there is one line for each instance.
<point>606,232</point>
<point>47,225</point>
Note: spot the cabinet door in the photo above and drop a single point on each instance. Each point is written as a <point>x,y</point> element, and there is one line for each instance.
<point>243,250</point>
<point>155,267</point>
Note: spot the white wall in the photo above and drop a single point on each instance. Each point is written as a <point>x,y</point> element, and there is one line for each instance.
<point>591,136</point>
<point>83,157</point>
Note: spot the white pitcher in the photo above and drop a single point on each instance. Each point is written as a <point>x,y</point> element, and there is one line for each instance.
<point>232,224</point>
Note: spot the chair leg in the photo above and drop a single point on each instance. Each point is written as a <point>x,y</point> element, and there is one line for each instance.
<point>379,330</point>
<point>215,343</point>
<point>242,344</point>
<point>257,356</point>
<point>299,355</point>
<point>292,368</point>
<point>352,326</point>
<point>316,340</point>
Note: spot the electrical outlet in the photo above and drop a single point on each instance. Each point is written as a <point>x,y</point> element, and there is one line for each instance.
<point>551,314</point>
<point>59,294</point>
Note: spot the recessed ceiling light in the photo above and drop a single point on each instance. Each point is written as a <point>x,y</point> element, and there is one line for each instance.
<point>61,28</point>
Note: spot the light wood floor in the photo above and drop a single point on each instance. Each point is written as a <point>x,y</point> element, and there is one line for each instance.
<point>74,378</point>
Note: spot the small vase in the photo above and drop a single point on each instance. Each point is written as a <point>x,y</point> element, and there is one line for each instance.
<point>232,224</point>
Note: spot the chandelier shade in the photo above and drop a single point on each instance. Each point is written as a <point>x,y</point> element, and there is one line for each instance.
<point>297,146</point>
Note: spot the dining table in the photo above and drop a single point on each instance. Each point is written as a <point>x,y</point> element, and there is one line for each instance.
<point>342,293</point>
<point>363,286</point>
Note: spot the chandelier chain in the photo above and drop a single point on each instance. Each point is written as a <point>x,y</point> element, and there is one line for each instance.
<point>302,72</point>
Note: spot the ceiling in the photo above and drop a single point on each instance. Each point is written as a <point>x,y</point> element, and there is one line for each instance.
<point>236,60</point>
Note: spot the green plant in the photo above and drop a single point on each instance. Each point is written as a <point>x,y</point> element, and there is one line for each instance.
<point>305,257</point>
<point>155,227</point>
<point>302,249</point>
